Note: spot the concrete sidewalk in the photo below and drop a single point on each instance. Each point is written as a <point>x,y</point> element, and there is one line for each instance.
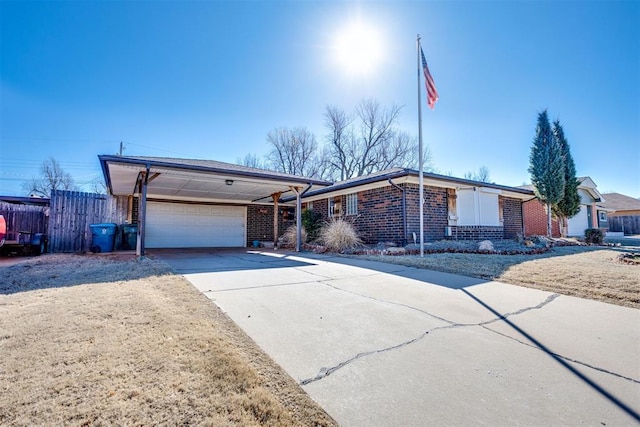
<point>382,344</point>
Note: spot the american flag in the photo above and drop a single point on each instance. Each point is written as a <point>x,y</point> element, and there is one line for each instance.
<point>432,92</point>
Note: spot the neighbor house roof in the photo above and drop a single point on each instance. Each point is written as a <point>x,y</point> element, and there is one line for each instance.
<point>198,179</point>
<point>620,202</point>
<point>38,201</point>
<point>399,175</point>
<point>585,183</point>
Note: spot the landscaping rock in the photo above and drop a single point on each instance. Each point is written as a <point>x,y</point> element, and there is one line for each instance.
<point>395,251</point>
<point>486,245</point>
<point>319,249</point>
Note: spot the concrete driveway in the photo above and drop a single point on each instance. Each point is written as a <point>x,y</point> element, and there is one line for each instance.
<point>381,344</point>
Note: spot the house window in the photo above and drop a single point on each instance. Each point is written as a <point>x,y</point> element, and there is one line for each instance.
<point>352,204</point>
<point>603,216</point>
<point>478,206</point>
<point>335,208</point>
<point>310,206</point>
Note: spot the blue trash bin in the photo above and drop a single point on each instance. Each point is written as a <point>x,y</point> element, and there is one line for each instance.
<point>103,237</point>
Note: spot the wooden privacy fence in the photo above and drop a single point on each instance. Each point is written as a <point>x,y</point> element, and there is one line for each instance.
<point>25,218</point>
<point>628,224</point>
<point>72,212</point>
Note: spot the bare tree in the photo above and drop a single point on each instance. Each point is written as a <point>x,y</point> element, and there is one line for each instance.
<point>376,129</point>
<point>324,169</point>
<point>368,141</point>
<point>252,161</point>
<point>52,177</point>
<point>401,150</point>
<point>340,138</point>
<point>293,151</point>
<point>98,186</point>
<point>481,176</point>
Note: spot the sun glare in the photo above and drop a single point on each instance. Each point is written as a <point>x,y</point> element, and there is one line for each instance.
<point>358,48</point>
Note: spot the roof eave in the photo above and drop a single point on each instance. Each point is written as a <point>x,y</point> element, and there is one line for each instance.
<point>410,172</point>
<point>105,159</point>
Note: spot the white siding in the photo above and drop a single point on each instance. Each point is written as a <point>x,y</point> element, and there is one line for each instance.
<point>466,207</point>
<point>578,223</point>
<point>477,206</point>
<point>488,208</point>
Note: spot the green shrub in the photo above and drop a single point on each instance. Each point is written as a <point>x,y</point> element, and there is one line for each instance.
<point>338,235</point>
<point>311,221</point>
<point>594,236</point>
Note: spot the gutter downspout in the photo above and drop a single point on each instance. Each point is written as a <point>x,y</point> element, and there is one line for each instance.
<point>404,211</point>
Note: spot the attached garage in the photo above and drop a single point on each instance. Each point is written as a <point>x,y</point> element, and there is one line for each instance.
<point>180,225</point>
<point>194,203</point>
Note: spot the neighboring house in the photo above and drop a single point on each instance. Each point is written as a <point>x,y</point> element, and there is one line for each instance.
<point>203,203</point>
<point>623,213</point>
<point>591,214</point>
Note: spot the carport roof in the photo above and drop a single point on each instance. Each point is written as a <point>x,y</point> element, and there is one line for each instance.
<point>198,180</point>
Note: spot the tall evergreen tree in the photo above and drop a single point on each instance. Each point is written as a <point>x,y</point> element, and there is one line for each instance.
<point>569,205</point>
<point>546,166</point>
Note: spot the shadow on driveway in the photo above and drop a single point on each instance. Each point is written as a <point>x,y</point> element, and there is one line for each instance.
<point>210,260</point>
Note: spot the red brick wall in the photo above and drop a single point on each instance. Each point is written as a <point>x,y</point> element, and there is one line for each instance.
<point>436,212</point>
<point>476,232</point>
<point>512,217</point>
<point>379,216</point>
<point>322,207</point>
<point>535,219</point>
<point>260,223</point>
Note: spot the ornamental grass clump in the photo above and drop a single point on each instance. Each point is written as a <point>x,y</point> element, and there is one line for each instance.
<point>291,234</point>
<point>338,235</point>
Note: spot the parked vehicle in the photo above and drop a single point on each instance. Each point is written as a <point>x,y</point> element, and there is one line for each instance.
<point>20,242</point>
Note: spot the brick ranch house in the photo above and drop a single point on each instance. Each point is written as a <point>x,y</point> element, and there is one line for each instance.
<point>591,214</point>
<point>384,207</point>
<point>186,203</point>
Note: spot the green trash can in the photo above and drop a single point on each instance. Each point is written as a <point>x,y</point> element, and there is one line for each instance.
<point>103,237</point>
<point>129,236</point>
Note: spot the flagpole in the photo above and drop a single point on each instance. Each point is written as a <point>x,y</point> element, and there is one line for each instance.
<point>420,173</point>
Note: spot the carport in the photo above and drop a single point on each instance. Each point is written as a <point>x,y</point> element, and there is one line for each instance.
<point>203,201</point>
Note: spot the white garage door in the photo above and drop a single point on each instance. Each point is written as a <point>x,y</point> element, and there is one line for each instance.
<point>175,225</point>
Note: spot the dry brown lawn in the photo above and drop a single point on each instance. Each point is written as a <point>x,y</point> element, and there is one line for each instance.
<point>582,271</point>
<point>99,339</point>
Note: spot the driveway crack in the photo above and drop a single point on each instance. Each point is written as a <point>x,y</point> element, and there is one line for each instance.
<point>410,307</point>
<point>325,372</point>
<point>549,299</point>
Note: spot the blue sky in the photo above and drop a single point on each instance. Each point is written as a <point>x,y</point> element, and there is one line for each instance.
<point>210,79</point>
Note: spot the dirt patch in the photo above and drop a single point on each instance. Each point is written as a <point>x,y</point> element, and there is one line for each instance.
<point>582,271</point>
<point>115,340</point>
